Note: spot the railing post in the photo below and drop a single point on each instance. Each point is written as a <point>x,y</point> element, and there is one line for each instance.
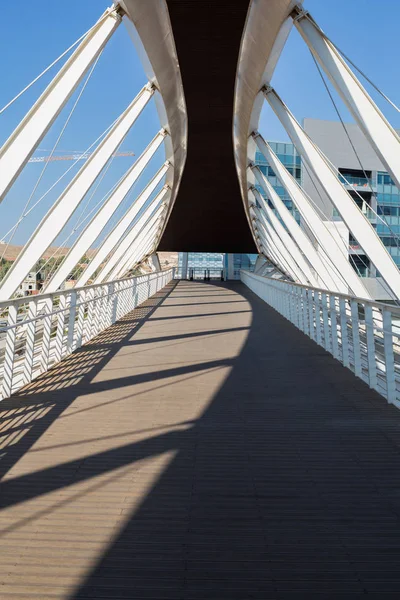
<point>90,299</point>
<point>81,318</point>
<point>371,352</point>
<point>306,325</point>
<point>325,317</point>
<point>297,307</point>
<point>311,312</point>
<point>30,342</point>
<point>293,305</point>
<point>59,343</point>
<point>46,337</point>
<point>318,318</point>
<point>344,333</point>
<point>389,356</point>
<point>334,329</point>
<point>114,304</point>
<point>356,338</point>
<point>11,336</point>
<point>71,322</point>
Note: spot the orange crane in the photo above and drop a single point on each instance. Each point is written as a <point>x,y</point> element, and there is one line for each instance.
<point>76,156</point>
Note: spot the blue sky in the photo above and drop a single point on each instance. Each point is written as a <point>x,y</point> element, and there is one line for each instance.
<point>31,41</point>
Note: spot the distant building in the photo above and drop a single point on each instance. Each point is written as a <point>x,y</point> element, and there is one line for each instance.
<point>31,284</point>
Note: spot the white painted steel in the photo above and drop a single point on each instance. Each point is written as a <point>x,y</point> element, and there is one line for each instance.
<point>296,261</point>
<point>354,219</point>
<point>267,26</point>
<point>266,246</point>
<point>129,238</point>
<point>120,229</point>
<point>301,239</point>
<point>154,262</point>
<point>25,138</point>
<point>378,131</point>
<point>149,26</point>
<point>364,335</point>
<point>37,339</point>
<point>70,198</point>
<point>102,217</point>
<point>280,250</point>
<point>141,245</point>
<point>290,244</point>
<point>268,249</point>
<point>336,255</point>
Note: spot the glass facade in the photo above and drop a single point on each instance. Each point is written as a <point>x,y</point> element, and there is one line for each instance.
<point>388,198</point>
<point>240,261</point>
<point>288,156</point>
<point>200,262</point>
<point>369,185</point>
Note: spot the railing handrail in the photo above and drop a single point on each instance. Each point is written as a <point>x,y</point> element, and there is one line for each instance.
<point>360,333</point>
<point>24,299</point>
<point>367,301</point>
<point>50,331</point>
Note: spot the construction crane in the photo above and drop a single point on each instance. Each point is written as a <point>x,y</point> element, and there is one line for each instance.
<point>77,156</point>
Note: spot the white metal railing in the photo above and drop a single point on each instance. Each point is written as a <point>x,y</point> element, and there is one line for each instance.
<point>37,332</point>
<point>363,335</point>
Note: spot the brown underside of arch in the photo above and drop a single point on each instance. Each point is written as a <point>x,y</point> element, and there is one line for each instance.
<point>208,215</point>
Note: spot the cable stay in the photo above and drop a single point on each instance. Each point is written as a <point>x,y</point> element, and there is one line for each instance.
<point>68,119</point>
<point>52,65</point>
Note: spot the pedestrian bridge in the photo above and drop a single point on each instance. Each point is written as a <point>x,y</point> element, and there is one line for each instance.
<point>200,447</point>
<point>163,438</point>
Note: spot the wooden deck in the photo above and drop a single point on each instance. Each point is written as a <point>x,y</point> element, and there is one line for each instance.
<point>201,448</point>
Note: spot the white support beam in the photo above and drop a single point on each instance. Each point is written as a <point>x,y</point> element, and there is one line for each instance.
<point>70,198</point>
<point>299,236</point>
<point>25,138</point>
<point>268,250</point>
<point>337,264</point>
<point>123,246</point>
<point>141,245</point>
<point>354,219</point>
<point>279,249</point>
<point>381,135</point>
<point>102,217</point>
<point>287,256</point>
<point>154,262</point>
<point>113,238</point>
<point>137,238</point>
<point>289,243</point>
<point>141,252</point>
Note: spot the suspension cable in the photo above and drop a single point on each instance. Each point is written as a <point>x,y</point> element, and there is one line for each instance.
<point>382,219</point>
<point>376,88</point>
<point>81,220</point>
<point>61,177</point>
<point>51,154</point>
<point>348,255</point>
<point>52,64</point>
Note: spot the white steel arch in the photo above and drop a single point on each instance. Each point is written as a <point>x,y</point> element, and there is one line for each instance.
<point>126,242</point>
<point>256,64</point>
<point>111,241</point>
<point>25,138</point>
<point>376,128</point>
<point>335,252</point>
<point>290,244</point>
<point>100,220</point>
<point>150,28</point>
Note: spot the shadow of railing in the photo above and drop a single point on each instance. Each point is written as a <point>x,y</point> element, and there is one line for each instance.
<point>276,488</point>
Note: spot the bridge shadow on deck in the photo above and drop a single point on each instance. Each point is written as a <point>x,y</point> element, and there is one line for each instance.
<point>226,456</point>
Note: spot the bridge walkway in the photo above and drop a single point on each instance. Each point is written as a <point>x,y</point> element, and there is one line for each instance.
<point>201,448</point>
